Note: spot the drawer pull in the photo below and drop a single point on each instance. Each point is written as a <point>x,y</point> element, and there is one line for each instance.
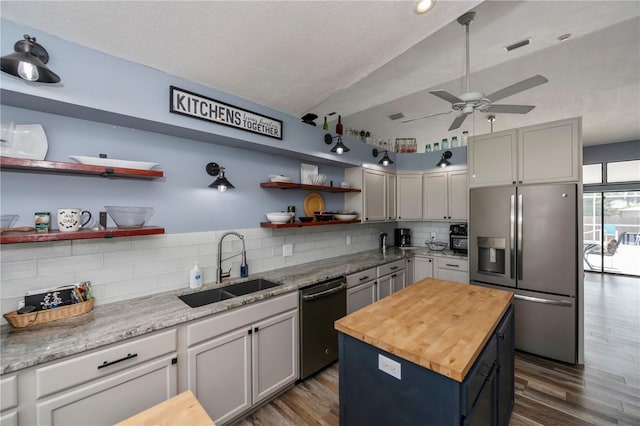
<point>452,265</point>
<point>106,363</point>
<point>394,267</point>
<point>366,277</point>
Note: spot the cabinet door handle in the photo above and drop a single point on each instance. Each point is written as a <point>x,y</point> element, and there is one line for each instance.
<point>107,363</point>
<point>366,277</point>
<point>249,331</point>
<point>394,275</point>
<point>256,329</point>
<point>452,265</point>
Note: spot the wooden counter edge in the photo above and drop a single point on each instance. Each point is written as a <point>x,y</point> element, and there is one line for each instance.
<point>182,409</point>
<point>457,375</point>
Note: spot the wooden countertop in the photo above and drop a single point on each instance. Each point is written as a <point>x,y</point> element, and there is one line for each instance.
<point>182,409</point>
<point>437,324</point>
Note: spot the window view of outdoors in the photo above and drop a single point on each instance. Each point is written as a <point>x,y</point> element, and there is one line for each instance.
<point>611,232</point>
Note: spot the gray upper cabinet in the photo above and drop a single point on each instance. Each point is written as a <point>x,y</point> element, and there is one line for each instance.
<point>445,195</point>
<point>549,152</point>
<point>409,196</point>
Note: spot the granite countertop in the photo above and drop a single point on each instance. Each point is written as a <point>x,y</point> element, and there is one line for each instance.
<point>114,322</point>
<point>437,324</point>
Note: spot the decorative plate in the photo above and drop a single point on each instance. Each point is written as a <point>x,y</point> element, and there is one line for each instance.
<point>29,141</point>
<point>313,202</point>
<point>112,162</point>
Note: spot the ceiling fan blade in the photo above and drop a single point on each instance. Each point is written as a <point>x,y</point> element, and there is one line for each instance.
<point>457,122</point>
<point>426,116</point>
<point>520,86</point>
<point>511,109</point>
<point>443,94</point>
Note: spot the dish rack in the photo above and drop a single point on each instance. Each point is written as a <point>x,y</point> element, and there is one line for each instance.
<point>437,245</point>
<point>17,320</point>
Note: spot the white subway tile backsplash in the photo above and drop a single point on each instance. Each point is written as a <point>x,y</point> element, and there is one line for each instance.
<point>130,257</point>
<point>20,269</point>
<point>122,268</point>
<point>58,265</point>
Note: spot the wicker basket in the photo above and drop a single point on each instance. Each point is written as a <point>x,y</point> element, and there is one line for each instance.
<point>39,317</point>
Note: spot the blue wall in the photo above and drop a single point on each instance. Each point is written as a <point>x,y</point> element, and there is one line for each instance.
<point>107,105</point>
<point>620,151</point>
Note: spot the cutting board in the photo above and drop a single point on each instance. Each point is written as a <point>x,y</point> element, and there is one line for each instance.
<point>182,409</point>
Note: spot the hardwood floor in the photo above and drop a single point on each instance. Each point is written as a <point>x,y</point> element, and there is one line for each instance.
<point>606,390</point>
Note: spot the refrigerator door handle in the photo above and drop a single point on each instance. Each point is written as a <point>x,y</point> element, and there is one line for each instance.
<point>520,256</point>
<point>540,300</point>
<point>512,236</point>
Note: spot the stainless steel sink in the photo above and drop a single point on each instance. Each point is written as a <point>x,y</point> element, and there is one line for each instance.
<point>206,297</point>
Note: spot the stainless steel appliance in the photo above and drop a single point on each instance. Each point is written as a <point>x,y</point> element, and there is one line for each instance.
<point>524,239</point>
<point>320,306</point>
<point>402,237</point>
<point>458,238</point>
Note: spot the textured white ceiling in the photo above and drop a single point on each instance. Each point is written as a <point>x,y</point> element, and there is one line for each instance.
<point>368,59</point>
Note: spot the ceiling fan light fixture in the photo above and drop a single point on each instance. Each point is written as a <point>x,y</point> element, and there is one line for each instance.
<point>420,7</point>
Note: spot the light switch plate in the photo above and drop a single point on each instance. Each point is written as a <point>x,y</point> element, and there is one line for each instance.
<point>348,240</point>
<point>433,235</point>
<point>287,250</point>
<point>390,366</point>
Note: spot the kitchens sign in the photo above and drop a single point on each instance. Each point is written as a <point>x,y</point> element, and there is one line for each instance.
<point>191,104</point>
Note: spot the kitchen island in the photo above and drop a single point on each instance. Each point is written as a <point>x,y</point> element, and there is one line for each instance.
<point>437,352</point>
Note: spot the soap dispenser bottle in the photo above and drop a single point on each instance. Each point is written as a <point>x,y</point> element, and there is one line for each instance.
<point>244,268</point>
<point>195,276</point>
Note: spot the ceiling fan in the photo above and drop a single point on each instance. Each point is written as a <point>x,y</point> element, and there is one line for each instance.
<point>469,102</point>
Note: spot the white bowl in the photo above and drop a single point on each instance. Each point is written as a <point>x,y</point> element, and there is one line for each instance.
<point>280,178</point>
<point>280,217</point>
<point>343,216</point>
<point>129,217</point>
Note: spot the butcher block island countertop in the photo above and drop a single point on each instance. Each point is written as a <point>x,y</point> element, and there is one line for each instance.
<point>437,324</point>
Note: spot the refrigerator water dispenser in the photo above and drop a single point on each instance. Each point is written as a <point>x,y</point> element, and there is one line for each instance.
<point>491,253</point>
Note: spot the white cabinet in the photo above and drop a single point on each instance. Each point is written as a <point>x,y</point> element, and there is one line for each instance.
<point>361,289</point>
<point>452,269</point>
<point>241,357</point>
<point>375,195</point>
<point>422,268</point>
<point>549,152</point>
<point>392,210</point>
<point>409,196</point>
<point>9,400</point>
<point>391,278</point>
<point>445,195</point>
<point>361,295</point>
<point>409,271</point>
<point>108,385</point>
<point>377,201</point>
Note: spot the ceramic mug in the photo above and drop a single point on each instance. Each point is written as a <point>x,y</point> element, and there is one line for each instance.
<point>70,220</point>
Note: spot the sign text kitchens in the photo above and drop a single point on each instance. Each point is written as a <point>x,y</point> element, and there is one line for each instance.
<point>193,105</point>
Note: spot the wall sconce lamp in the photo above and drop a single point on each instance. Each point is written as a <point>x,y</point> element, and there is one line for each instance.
<point>444,160</point>
<point>28,62</point>
<point>221,182</point>
<point>385,158</point>
<point>339,147</point>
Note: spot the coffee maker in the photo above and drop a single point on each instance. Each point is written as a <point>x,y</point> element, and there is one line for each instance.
<point>402,237</point>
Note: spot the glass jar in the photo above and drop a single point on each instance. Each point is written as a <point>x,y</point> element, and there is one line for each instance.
<point>445,143</point>
<point>436,146</point>
<point>454,142</point>
<point>465,136</point>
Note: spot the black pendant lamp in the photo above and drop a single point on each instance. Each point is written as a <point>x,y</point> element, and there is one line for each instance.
<point>28,62</point>
<point>385,161</point>
<point>221,183</point>
<point>444,161</point>
<point>339,148</point>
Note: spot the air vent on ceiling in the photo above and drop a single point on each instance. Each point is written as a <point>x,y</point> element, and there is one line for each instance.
<point>396,116</point>
<point>517,45</point>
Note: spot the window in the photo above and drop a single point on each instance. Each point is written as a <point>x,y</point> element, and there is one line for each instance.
<point>623,171</point>
<point>592,173</point>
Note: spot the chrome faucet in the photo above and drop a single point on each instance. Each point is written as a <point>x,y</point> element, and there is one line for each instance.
<point>219,274</point>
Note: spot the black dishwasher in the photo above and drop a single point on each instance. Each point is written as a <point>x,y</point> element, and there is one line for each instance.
<point>320,306</point>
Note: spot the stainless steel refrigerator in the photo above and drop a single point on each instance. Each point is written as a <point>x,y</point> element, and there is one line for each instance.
<point>525,239</point>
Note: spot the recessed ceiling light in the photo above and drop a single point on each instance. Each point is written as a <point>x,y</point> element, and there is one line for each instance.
<point>423,6</point>
<point>564,37</point>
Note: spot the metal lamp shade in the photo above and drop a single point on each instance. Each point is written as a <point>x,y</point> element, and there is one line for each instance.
<point>28,62</point>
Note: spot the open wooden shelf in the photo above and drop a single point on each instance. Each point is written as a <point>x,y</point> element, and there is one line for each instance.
<point>75,168</point>
<point>293,185</point>
<point>32,237</point>
<point>301,224</point>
